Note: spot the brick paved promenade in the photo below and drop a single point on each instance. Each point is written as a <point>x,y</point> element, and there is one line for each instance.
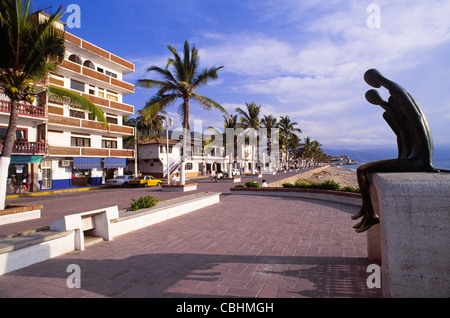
<point>244,246</point>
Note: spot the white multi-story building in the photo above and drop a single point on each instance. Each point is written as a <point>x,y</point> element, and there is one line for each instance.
<point>205,157</point>
<point>60,146</point>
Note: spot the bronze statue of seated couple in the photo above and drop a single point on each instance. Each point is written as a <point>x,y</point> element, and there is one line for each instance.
<point>414,141</point>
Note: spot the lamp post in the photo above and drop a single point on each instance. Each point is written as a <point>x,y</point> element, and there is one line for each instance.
<point>169,124</point>
<point>135,152</point>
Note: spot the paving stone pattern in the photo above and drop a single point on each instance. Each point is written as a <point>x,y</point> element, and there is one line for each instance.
<point>244,246</point>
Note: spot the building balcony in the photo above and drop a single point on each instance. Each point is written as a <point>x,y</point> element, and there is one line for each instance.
<point>27,148</point>
<point>96,77</point>
<point>24,109</point>
<point>88,125</point>
<point>63,151</point>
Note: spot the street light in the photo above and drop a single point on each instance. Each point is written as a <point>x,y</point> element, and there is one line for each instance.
<point>169,124</point>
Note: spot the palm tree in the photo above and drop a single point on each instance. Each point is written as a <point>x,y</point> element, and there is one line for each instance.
<point>30,50</point>
<point>307,148</point>
<point>287,130</point>
<point>250,120</point>
<point>293,146</point>
<point>182,82</point>
<point>269,122</point>
<point>154,126</point>
<point>231,122</point>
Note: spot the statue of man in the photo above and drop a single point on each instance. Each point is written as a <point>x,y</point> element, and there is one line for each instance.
<point>414,141</point>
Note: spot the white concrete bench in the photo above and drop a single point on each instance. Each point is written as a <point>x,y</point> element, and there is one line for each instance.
<point>97,220</point>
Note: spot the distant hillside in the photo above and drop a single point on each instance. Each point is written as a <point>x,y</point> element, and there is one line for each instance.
<point>368,155</point>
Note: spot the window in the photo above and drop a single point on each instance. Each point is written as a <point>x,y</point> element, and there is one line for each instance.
<point>112,120</point>
<point>75,58</point>
<point>112,144</point>
<point>101,93</point>
<point>77,114</point>
<point>78,86</point>
<point>91,116</point>
<point>112,97</point>
<point>111,74</point>
<point>89,64</point>
<point>21,134</point>
<point>80,142</point>
<point>189,166</point>
<point>100,70</point>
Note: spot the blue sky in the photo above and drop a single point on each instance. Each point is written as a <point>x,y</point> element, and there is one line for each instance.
<point>302,58</point>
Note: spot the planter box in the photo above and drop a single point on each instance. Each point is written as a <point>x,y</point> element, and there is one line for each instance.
<point>179,187</point>
<point>19,214</point>
<point>326,195</point>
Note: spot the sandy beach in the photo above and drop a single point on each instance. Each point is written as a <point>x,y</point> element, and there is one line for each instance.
<point>345,177</point>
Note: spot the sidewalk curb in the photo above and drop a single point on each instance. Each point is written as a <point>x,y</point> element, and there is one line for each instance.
<point>35,194</point>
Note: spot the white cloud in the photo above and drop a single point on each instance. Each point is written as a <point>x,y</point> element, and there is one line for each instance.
<point>310,62</point>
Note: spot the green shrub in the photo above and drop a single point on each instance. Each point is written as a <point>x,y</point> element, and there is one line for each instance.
<point>307,184</point>
<point>330,185</point>
<point>252,184</point>
<point>143,203</point>
<point>326,185</point>
<point>351,189</point>
<point>239,186</point>
<point>303,185</point>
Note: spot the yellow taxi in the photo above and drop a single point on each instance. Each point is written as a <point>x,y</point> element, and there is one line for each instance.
<point>145,181</point>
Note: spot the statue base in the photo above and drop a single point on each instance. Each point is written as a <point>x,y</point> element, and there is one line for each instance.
<point>412,240</point>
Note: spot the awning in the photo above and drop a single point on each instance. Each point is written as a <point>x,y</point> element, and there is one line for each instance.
<point>212,161</point>
<point>87,163</point>
<point>25,159</point>
<point>113,163</point>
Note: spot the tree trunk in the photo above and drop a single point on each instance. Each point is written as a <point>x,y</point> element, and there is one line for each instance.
<point>186,130</point>
<point>8,145</point>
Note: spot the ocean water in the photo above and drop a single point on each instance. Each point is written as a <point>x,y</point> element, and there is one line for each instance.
<point>437,163</point>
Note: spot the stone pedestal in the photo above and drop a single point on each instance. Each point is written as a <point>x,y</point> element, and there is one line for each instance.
<point>373,234</point>
<point>179,187</point>
<point>230,180</point>
<point>414,211</point>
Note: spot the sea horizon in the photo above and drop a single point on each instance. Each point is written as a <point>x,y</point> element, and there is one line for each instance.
<point>437,163</point>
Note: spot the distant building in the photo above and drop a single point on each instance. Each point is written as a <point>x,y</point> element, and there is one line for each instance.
<point>204,157</point>
<point>155,159</point>
<point>341,160</point>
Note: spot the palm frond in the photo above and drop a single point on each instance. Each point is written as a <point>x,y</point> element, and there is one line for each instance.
<point>76,100</point>
<point>164,73</point>
<point>149,83</point>
<point>208,103</point>
<point>206,75</point>
<point>156,105</point>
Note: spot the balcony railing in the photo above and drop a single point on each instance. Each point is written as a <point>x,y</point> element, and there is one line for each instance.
<point>26,147</point>
<point>24,109</point>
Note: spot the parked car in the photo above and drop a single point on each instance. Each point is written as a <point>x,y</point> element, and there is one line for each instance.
<point>146,181</point>
<point>120,180</point>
